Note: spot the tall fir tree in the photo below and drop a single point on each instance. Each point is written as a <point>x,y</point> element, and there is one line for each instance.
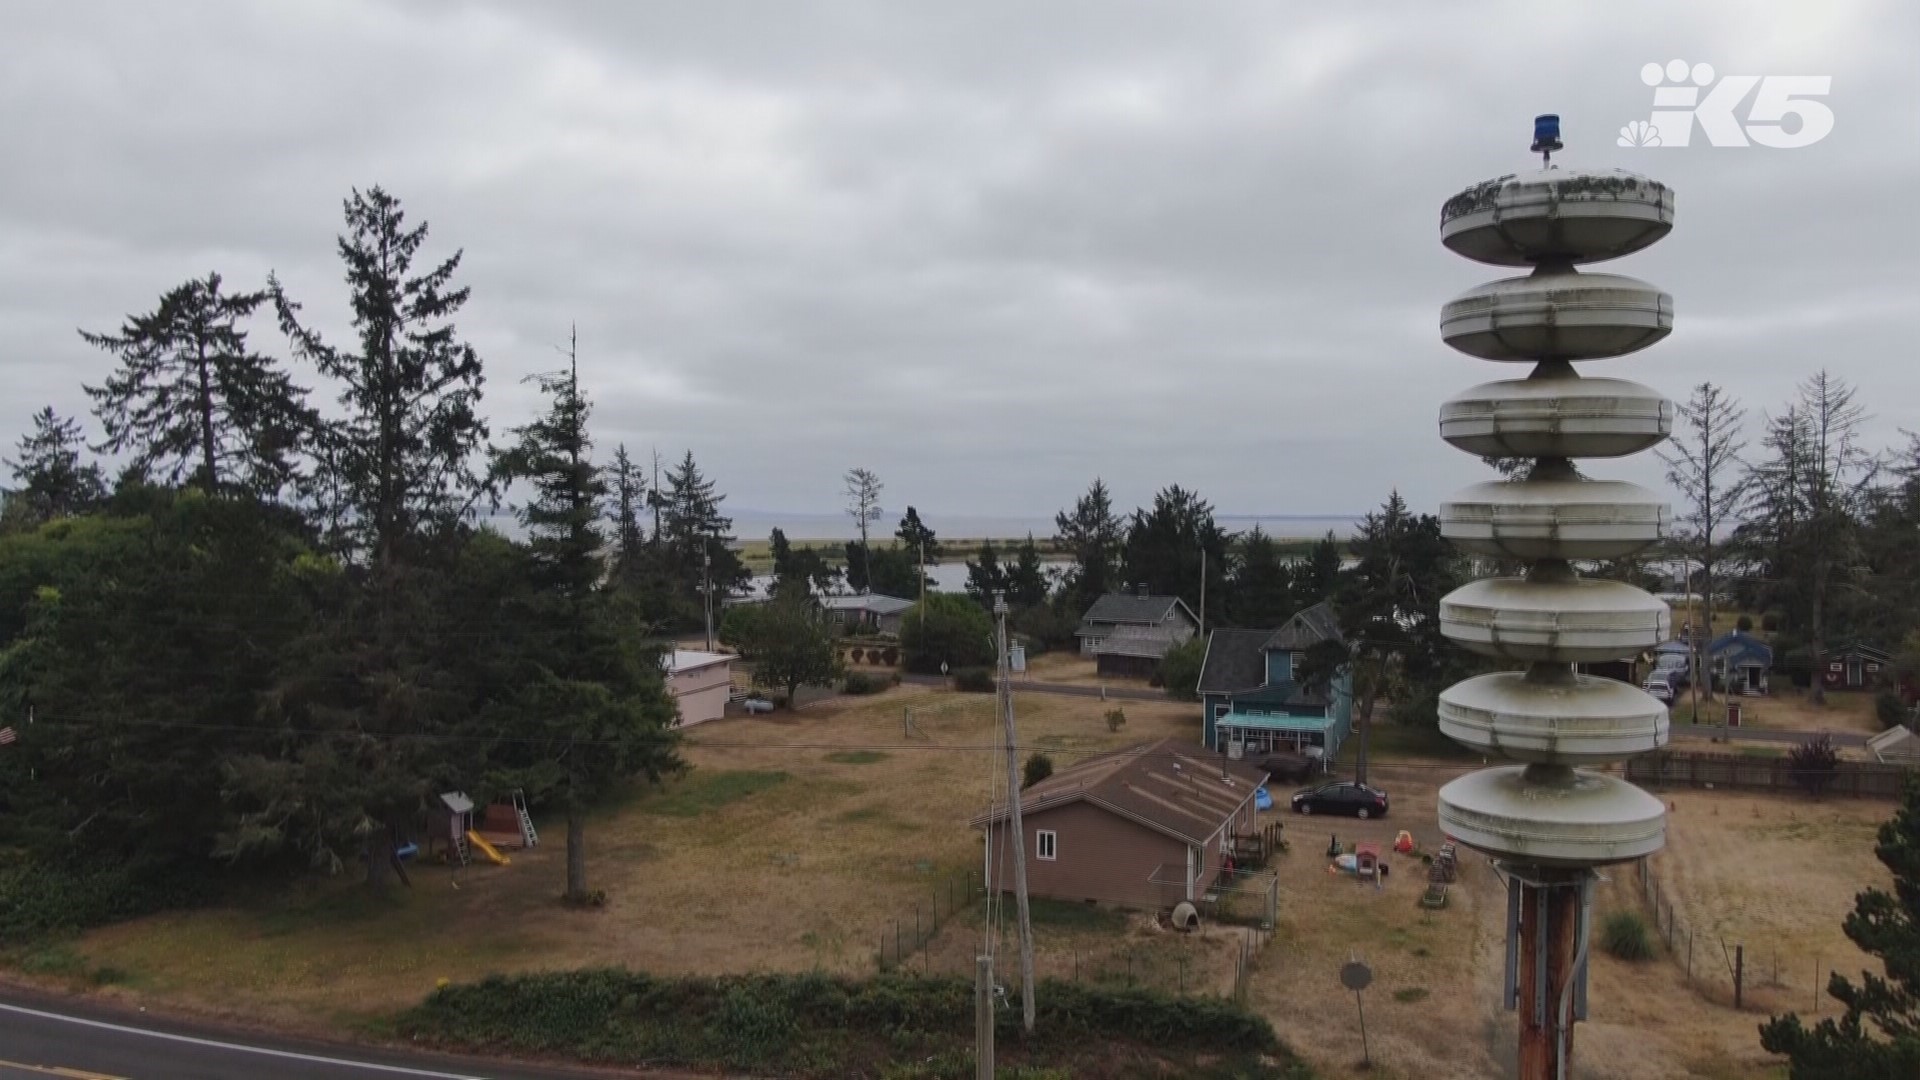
<point>52,479</point>
<point>1026,576</point>
<point>397,468</point>
<point>192,402</point>
<point>1315,578</point>
<point>985,577</point>
<point>1261,589</point>
<point>1172,544</point>
<point>695,537</point>
<point>401,456</point>
<point>592,706</point>
<point>918,537</point>
<point>1091,534</point>
<point>626,497</point>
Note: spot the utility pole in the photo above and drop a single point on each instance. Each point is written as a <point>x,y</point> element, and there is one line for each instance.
<point>983,1017</point>
<point>1203,588</point>
<point>923,585</point>
<point>1014,826</point>
<point>706,590</point>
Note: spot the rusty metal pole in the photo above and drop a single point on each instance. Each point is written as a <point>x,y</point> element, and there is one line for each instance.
<point>1547,918</point>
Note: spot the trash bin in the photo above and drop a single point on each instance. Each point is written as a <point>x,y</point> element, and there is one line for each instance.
<point>1733,714</point>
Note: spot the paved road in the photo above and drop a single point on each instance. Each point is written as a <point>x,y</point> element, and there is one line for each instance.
<point>41,1039</point>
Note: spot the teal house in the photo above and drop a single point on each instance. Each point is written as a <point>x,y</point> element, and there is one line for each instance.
<point>1252,695</point>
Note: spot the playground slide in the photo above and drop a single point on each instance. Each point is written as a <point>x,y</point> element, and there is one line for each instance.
<point>486,849</point>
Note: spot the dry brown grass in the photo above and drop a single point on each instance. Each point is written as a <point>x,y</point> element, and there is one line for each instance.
<point>812,870</point>
<point>1072,668</point>
<point>805,873</point>
<point>1792,710</point>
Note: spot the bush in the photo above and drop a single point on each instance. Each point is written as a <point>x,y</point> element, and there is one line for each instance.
<point>975,680</point>
<point>1039,767</point>
<point>1180,668</point>
<point>861,683</point>
<point>890,656</point>
<point>1116,719</point>
<point>1813,763</point>
<point>1888,709</point>
<point>814,1025</point>
<point>954,631</point>
<point>856,653</point>
<point>1769,622</point>
<point>1744,624</point>
<point>1625,935</point>
<point>37,898</point>
<point>738,626</point>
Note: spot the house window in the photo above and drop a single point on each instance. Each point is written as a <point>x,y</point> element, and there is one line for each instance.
<point>1046,844</point>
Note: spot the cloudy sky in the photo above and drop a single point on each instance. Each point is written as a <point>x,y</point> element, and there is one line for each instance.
<point>989,250</point>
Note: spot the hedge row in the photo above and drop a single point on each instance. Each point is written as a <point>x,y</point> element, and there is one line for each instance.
<point>820,1026</point>
<point>37,898</point>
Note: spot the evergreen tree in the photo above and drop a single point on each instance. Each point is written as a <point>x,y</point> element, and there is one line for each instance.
<point>1026,577</point>
<point>1261,593</point>
<point>593,707</point>
<point>696,538</point>
<point>193,402</point>
<point>1314,580</point>
<point>401,456</point>
<point>396,475</point>
<point>859,567</point>
<point>1878,1036</point>
<point>53,480</point>
<point>798,573</point>
<point>985,578</point>
<point>918,538</point>
<point>1091,534</point>
<point>1169,545</point>
<point>627,496</point>
<point>896,572</point>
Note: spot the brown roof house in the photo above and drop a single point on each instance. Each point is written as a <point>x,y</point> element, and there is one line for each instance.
<point>1144,827</point>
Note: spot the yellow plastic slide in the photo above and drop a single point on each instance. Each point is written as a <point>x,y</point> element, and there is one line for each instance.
<point>486,849</point>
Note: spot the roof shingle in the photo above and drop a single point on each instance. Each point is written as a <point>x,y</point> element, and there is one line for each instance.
<point>1171,786</point>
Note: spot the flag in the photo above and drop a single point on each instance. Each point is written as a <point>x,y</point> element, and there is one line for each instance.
<point>7,735</point>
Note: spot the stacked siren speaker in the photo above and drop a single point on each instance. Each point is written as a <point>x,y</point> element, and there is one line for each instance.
<point>1550,812</point>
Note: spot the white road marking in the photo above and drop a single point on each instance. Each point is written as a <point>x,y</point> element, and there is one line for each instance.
<point>216,1044</point>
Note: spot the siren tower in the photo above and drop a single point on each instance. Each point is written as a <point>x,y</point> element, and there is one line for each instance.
<point>1546,821</point>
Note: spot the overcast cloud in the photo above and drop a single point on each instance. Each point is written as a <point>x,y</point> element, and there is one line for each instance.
<point>989,250</point>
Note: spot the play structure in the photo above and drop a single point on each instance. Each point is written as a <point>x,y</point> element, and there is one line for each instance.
<point>455,834</point>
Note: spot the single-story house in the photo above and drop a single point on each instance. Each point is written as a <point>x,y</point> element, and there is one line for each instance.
<point>1254,701</point>
<point>1897,745</point>
<point>701,683</point>
<point>1739,662</point>
<point>1855,667</point>
<point>870,612</point>
<point>1144,827</point>
<point>1128,633</point>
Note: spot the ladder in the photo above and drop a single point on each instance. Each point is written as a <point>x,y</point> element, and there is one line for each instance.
<point>462,850</point>
<point>527,835</point>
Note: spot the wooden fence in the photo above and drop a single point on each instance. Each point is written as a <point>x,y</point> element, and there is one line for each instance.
<point>1679,768</point>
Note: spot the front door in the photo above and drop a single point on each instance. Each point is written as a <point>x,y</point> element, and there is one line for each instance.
<point>1853,674</point>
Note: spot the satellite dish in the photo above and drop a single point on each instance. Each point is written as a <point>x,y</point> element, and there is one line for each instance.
<point>1185,915</point>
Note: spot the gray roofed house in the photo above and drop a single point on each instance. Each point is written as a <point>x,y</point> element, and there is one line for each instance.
<point>868,611</point>
<point>1254,697</point>
<point>1128,634</point>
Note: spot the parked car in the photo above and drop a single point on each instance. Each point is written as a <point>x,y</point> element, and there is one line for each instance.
<point>757,705</point>
<point>1290,766</point>
<point>1341,797</point>
<point>1659,688</point>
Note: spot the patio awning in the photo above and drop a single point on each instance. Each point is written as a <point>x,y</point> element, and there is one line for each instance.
<point>1275,723</point>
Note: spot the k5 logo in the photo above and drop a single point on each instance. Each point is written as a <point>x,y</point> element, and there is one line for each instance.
<point>1678,103</point>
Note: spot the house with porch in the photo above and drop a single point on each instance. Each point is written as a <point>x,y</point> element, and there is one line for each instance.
<point>1858,666</point>
<point>1255,701</point>
<point>1143,828</point>
<point>1129,633</point>
<point>1739,662</point>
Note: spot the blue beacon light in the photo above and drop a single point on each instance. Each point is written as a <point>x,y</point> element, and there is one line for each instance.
<point>1546,136</point>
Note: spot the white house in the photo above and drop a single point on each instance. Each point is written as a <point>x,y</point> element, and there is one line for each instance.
<point>701,682</point>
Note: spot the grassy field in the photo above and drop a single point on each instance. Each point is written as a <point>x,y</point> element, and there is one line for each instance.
<point>1788,710</point>
<point>799,842</point>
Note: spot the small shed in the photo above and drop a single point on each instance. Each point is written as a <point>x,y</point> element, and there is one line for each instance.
<point>1858,666</point>
<point>448,820</point>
